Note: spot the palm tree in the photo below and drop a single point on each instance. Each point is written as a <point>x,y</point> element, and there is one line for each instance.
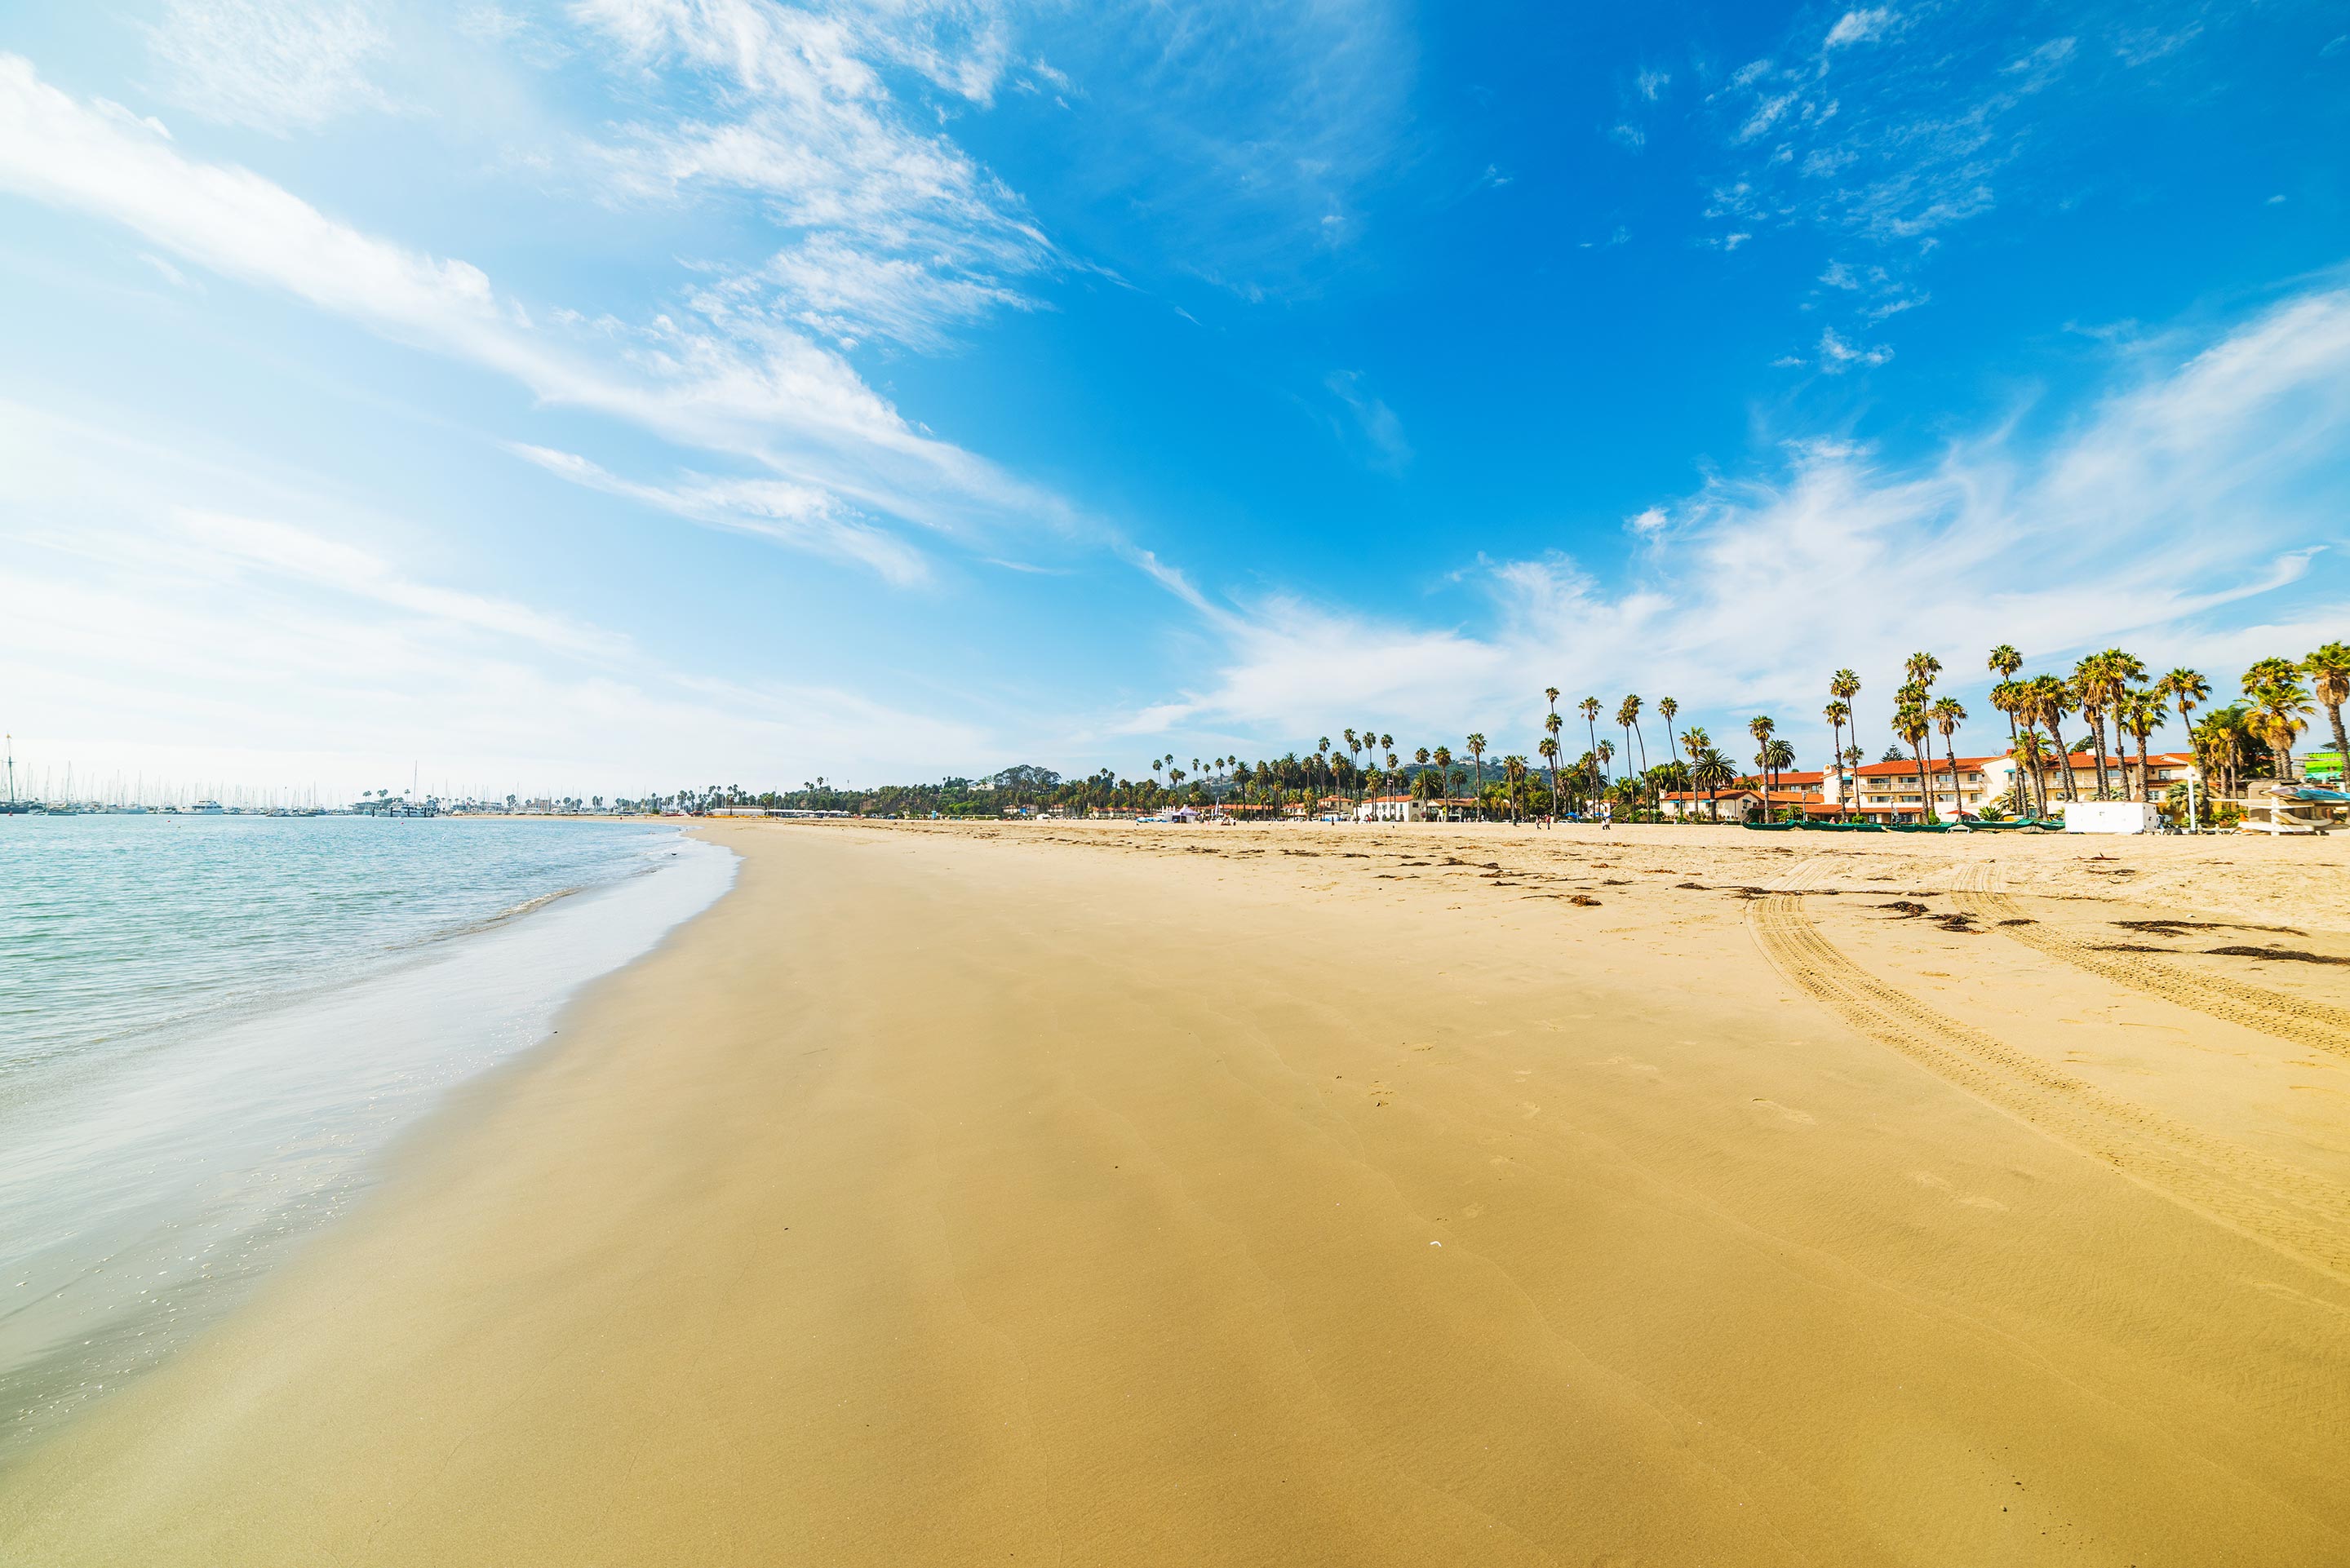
<point>1548,752</point>
<point>1696,743</point>
<point>2004,662</point>
<point>1921,668</point>
<point>2279,710</point>
<point>2093,688</point>
<point>1947,715</point>
<point>1444,769</point>
<point>1666,709</point>
<point>1552,724</point>
<point>1837,713</point>
<point>2031,754</point>
<point>2051,700</point>
<point>1476,744</point>
<point>1912,724</point>
<point>1709,771</point>
<point>1354,748</point>
<point>1779,754</point>
<point>1627,718</point>
<point>2328,670</point>
<point>1760,727</point>
<point>1605,753</point>
<point>1590,707</point>
<point>2137,712</point>
<point>1844,686</point>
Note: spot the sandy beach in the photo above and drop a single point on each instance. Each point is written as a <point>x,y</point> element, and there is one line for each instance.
<point>1121,1195</point>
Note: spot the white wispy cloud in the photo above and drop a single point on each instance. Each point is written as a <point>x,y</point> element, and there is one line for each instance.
<point>1748,591</point>
<point>276,66</point>
<point>892,230</point>
<point>175,612</point>
<point>1859,27</point>
<point>727,377</point>
<point>795,514</point>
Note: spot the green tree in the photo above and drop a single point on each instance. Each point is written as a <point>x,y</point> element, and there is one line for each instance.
<point>1838,713</point>
<point>2328,670</point>
<point>1711,772</point>
<point>1760,727</point>
<point>1844,686</point>
<point>1947,714</point>
<point>1910,722</point>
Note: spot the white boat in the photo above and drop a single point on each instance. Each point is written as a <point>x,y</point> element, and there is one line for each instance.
<point>206,808</point>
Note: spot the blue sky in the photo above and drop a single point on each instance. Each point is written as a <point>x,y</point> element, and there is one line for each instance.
<point>645,392</point>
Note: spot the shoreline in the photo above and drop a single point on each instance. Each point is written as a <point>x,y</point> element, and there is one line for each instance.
<point>151,1191</point>
<point>949,1193</point>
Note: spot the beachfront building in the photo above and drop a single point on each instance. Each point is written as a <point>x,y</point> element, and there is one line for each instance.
<point>1743,802</point>
<point>1890,791</point>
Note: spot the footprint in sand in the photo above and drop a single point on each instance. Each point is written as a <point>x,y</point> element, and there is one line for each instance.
<point>1627,1063</point>
<point>1472,1211</point>
<point>1532,1109</point>
<point>1802,1119</point>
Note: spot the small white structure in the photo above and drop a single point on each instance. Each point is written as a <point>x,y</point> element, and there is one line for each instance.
<point>2111,816</point>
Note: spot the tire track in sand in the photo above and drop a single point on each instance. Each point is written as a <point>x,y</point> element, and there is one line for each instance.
<point>2301,1215</point>
<point>2273,1013</point>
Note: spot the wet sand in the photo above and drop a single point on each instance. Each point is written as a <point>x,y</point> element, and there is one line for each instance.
<point>1129,1196</point>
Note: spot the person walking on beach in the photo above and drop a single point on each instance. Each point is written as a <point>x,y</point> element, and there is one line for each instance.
<point>1607,815</point>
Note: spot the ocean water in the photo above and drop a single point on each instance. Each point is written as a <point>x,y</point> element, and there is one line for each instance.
<point>211,1028</point>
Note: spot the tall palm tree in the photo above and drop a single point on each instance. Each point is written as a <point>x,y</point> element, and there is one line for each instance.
<point>2051,699</point>
<point>1912,724</point>
<point>1552,724</point>
<point>1476,744</point>
<point>1844,686</point>
<point>1354,748</point>
<point>1548,753</point>
<point>2137,712</point>
<point>1605,753</point>
<point>1921,668</point>
<point>2328,670</point>
<point>1443,755</point>
<point>1628,715</point>
<point>2005,695</point>
<point>1590,710</point>
<point>1760,727</point>
<point>2003,663</point>
<point>1666,709</point>
<point>1696,743</point>
<point>2092,689</point>
<point>1779,755</point>
<point>1837,713</point>
<point>1947,714</point>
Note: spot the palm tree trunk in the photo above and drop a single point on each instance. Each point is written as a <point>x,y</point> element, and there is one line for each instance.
<point>1644,747</point>
<point>1958,801</point>
<point>2097,731</point>
<point>2063,757</point>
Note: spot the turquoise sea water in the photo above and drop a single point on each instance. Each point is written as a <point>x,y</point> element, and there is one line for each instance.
<point>212,1027</point>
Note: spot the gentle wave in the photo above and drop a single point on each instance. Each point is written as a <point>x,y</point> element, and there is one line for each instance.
<point>162,1155</point>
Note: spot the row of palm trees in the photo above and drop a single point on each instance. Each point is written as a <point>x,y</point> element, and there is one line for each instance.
<point>2109,687</point>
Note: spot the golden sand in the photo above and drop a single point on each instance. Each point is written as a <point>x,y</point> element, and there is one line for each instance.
<point>1121,1196</point>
